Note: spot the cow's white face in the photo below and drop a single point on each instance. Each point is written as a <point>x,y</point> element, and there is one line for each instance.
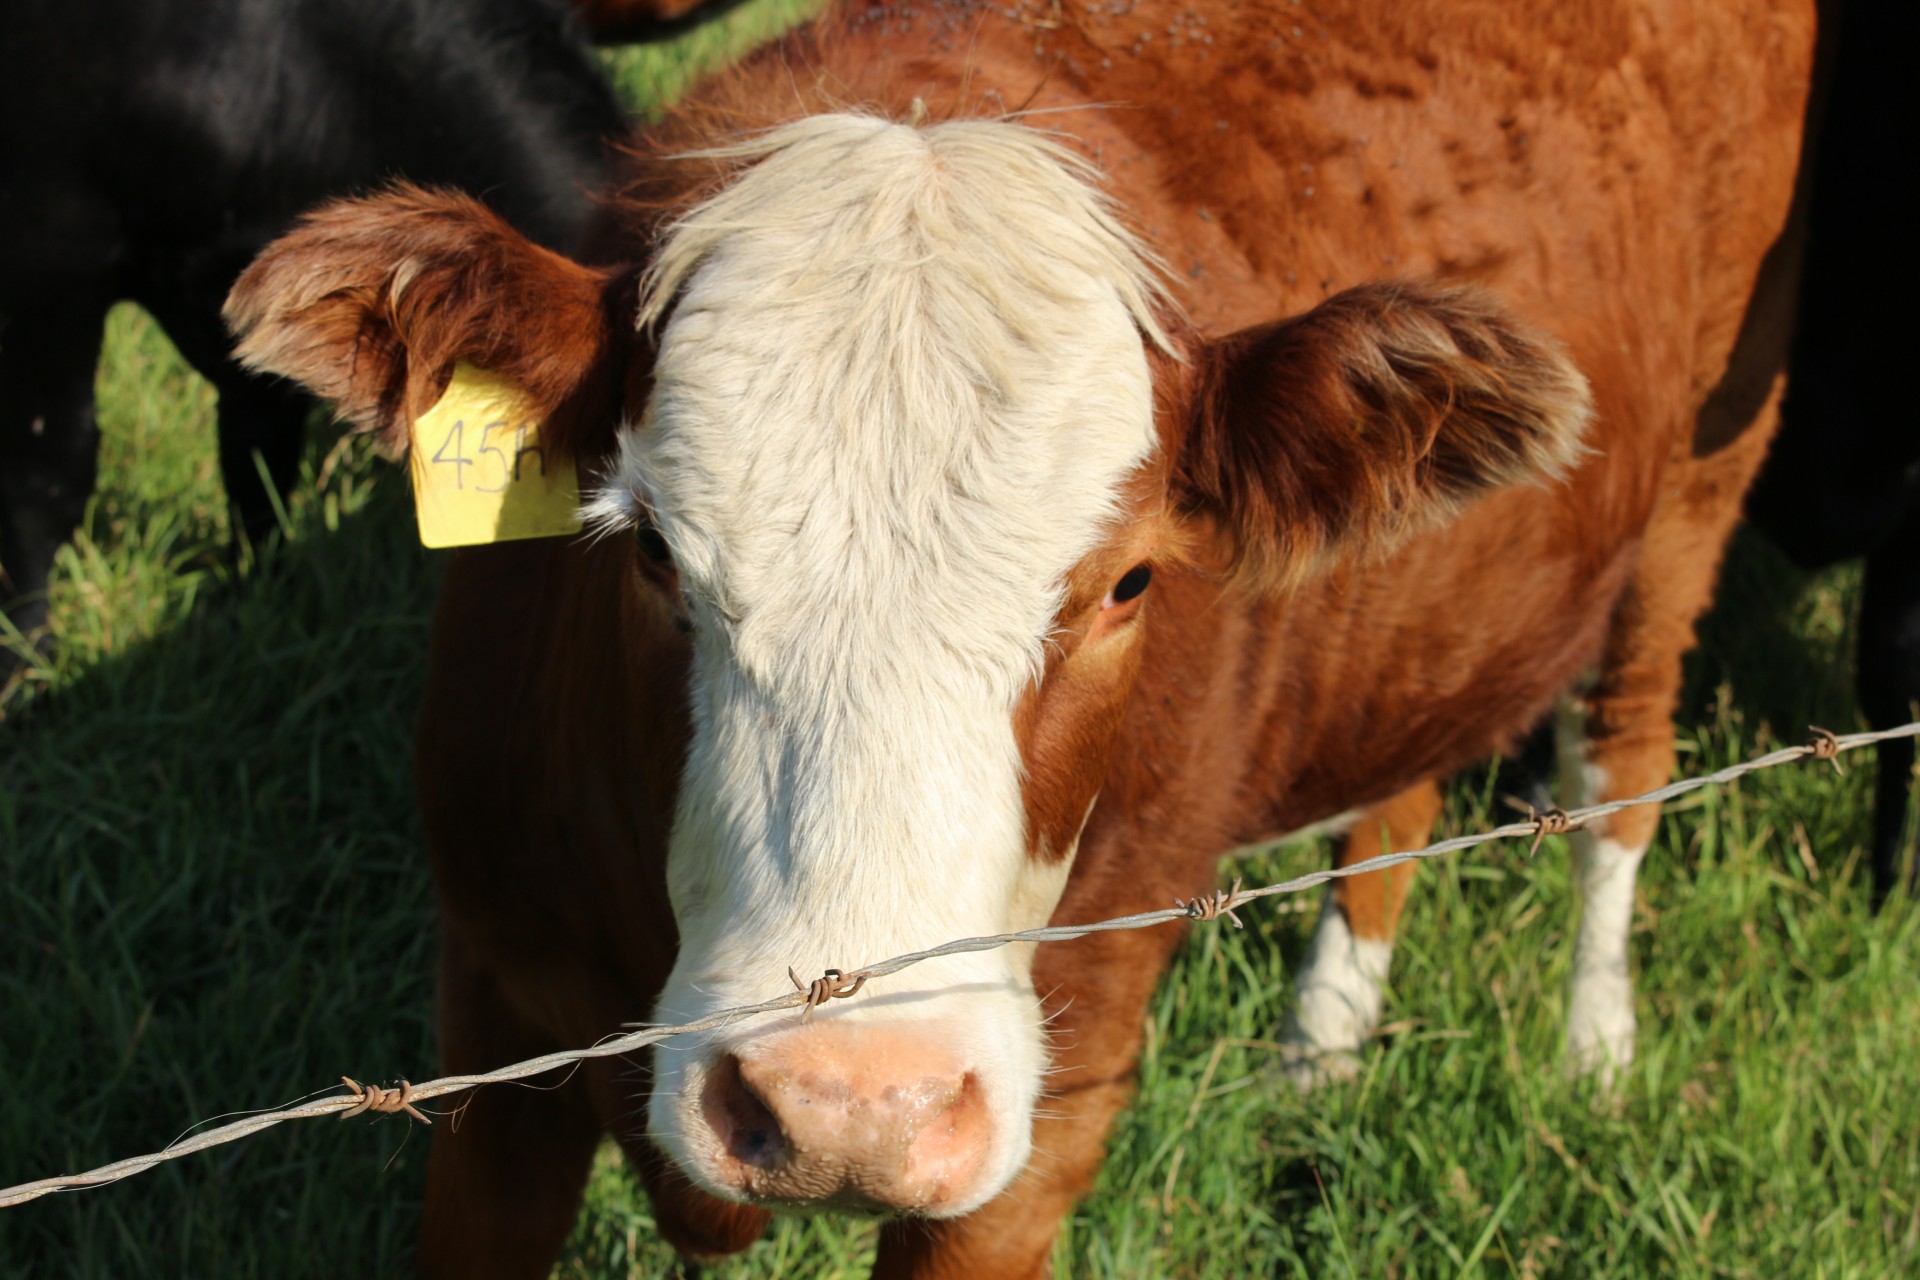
<point>899,391</point>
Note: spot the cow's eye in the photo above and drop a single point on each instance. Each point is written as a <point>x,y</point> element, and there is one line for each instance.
<point>1131,584</point>
<point>652,545</point>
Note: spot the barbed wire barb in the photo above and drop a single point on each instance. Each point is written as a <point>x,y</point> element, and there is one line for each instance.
<point>835,984</point>
<point>1554,822</point>
<point>1212,906</point>
<point>372,1097</point>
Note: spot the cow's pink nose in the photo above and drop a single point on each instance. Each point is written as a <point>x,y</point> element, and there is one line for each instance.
<point>865,1120</point>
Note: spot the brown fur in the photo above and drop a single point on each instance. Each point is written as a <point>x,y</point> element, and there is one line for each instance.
<point>1339,432</point>
<point>1065,725</point>
<point>1615,175</point>
<point>370,303</point>
<point>1372,903</point>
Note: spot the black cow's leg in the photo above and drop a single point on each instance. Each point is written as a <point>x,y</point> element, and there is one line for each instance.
<point>262,427</point>
<point>1889,687</point>
<point>258,415</point>
<point>49,447</point>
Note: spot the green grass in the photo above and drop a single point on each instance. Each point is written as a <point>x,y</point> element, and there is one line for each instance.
<point>210,877</point>
<point>212,895</point>
<point>651,77</point>
<point>1770,1128</point>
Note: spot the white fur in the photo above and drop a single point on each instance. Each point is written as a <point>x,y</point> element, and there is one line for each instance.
<point>1340,991</point>
<point>900,385</point>
<point>1580,782</point>
<point>1600,1018</point>
<point>1600,1021</point>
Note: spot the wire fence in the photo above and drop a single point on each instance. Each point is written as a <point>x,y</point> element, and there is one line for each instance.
<point>357,1098</point>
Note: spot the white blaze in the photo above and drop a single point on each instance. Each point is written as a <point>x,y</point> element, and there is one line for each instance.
<point>901,383</point>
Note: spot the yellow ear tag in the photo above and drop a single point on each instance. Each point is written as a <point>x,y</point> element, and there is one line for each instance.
<point>479,471</point>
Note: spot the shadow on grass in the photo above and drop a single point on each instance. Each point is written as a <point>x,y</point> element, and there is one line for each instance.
<point>213,896</point>
<point>212,887</point>
<point>1780,639</point>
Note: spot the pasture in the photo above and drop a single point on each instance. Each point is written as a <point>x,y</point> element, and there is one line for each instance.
<point>213,896</point>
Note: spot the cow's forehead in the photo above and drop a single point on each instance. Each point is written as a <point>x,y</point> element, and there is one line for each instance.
<point>901,388</point>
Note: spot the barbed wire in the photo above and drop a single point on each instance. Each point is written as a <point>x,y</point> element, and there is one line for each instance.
<point>403,1097</point>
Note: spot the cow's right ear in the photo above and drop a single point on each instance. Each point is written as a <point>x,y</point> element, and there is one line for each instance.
<point>368,303</point>
<point>1382,411</point>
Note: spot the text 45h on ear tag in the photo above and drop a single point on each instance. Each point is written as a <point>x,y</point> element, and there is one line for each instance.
<point>481,472</point>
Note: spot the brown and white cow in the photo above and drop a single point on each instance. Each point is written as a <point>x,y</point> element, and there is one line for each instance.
<point>1060,446</point>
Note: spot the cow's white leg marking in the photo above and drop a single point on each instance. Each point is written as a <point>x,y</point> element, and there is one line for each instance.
<point>1600,1018</point>
<point>1340,991</point>
<point>1600,1022</point>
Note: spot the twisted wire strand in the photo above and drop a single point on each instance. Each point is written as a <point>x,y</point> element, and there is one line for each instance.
<point>1823,745</point>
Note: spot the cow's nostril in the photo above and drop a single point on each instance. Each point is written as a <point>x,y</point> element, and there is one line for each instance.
<point>945,1155</point>
<point>746,1125</point>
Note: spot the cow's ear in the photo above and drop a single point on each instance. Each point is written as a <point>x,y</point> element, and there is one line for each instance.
<point>368,303</point>
<point>1384,409</point>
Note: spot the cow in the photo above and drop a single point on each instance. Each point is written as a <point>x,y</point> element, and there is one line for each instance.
<point>1843,479</point>
<point>152,147</point>
<point>1031,451</point>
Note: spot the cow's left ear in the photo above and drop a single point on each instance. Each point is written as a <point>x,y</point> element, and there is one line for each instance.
<point>1383,410</point>
<point>369,303</point>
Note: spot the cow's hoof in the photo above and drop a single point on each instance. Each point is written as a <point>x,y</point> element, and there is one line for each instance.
<point>1309,1069</point>
<point>1600,1029</point>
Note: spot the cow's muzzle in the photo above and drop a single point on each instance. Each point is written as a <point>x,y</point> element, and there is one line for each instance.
<point>845,1116</point>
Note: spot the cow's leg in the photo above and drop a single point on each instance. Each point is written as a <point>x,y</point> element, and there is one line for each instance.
<point>49,445</point>
<point>261,418</point>
<point>698,1225</point>
<point>1606,862</point>
<point>1012,1235</point>
<point>1343,981</point>
<point>1628,739</point>
<point>1889,687</point>
<point>1099,986</point>
<point>504,1181</point>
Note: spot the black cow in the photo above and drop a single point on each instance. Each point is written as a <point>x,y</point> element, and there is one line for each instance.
<point>150,148</point>
<point>624,21</point>
<point>1843,479</point>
